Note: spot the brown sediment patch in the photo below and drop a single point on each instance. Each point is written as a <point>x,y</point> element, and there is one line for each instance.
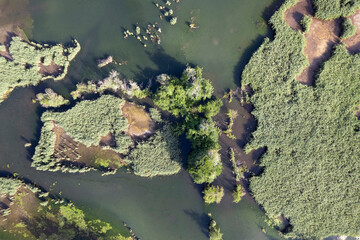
<point>294,14</point>
<point>50,70</point>
<point>68,150</point>
<point>320,39</point>
<point>353,43</point>
<point>139,120</point>
<point>24,207</point>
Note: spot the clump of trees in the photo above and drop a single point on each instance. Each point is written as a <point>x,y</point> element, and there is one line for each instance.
<point>214,230</point>
<point>50,99</point>
<point>213,194</point>
<point>238,193</point>
<point>190,98</point>
<point>23,68</point>
<point>310,134</point>
<point>349,29</point>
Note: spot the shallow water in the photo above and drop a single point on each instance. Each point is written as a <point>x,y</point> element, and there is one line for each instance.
<point>161,208</point>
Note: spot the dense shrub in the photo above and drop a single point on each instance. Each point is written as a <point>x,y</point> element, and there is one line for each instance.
<point>159,155</point>
<point>214,230</point>
<point>204,165</point>
<point>310,134</point>
<point>213,194</point>
<point>349,29</point>
<point>330,9</point>
<point>306,23</point>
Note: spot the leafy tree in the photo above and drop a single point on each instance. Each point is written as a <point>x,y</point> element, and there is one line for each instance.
<point>204,165</point>
<point>213,194</point>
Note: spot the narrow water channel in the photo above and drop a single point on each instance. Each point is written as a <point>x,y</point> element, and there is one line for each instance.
<point>162,208</point>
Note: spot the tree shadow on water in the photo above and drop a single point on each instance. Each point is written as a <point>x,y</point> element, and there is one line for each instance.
<point>201,219</point>
<point>164,64</point>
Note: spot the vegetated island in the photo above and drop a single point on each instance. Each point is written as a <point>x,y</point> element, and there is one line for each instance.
<point>310,132</point>
<point>24,63</point>
<point>109,132</point>
<point>27,212</point>
<point>101,134</point>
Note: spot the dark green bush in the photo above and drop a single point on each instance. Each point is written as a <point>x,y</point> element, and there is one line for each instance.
<point>349,29</point>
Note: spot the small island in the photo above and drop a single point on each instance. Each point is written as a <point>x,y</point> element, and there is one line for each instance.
<point>24,63</point>
<point>106,134</point>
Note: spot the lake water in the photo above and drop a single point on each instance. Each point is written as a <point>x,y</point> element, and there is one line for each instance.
<point>161,208</point>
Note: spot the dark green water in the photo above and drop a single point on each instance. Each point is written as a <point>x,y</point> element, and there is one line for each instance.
<point>162,208</point>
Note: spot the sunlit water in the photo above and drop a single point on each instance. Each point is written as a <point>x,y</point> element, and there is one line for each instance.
<point>162,208</point>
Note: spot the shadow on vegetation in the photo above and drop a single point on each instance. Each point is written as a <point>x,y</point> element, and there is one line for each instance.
<point>201,219</point>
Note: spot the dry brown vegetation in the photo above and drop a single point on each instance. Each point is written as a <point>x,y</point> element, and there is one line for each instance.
<point>139,120</point>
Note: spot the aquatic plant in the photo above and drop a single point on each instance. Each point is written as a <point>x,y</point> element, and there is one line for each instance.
<point>213,194</point>
<point>349,29</point>
<point>232,115</point>
<point>50,99</point>
<point>310,135</point>
<point>24,69</point>
<point>173,20</point>
<point>158,155</point>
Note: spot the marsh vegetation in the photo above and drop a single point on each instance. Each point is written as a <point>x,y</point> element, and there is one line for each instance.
<point>310,133</point>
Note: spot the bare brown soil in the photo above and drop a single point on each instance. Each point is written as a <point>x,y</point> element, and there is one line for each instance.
<point>50,70</point>
<point>66,149</point>
<point>353,43</point>
<point>139,120</point>
<point>23,206</point>
<point>320,39</point>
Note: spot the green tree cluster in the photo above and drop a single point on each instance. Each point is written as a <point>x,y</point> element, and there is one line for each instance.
<point>191,99</point>
<point>213,194</point>
<point>311,136</point>
<point>214,230</point>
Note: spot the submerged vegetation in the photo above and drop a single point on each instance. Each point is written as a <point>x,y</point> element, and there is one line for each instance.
<point>26,212</point>
<point>190,98</point>
<point>310,133</point>
<point>29,63</point>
